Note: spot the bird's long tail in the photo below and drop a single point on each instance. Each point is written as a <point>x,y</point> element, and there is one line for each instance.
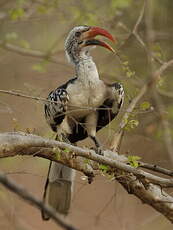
<point>58,188</point>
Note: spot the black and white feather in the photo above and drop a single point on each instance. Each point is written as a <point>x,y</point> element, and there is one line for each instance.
<point>55,113</point>
<point>56,108</point>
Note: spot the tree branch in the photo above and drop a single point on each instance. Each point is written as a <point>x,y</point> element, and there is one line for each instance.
<point>29,52</point>
<point>156,168</point>
<point>18,143</point>
<point>144,185</point>
<point>154,78</point>
<point>25,96</point>
<point>25,195</point>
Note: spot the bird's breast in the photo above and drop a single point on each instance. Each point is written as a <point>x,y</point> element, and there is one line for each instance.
<point>85,97</point>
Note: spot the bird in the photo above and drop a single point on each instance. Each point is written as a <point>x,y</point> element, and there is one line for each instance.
<point>79,109</point>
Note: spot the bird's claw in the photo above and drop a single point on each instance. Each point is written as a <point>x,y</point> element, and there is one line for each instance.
<point>100,151</point>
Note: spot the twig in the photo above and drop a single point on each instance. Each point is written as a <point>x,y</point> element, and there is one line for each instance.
<point>75,108</point>
<point>160,71</point>
<point>138,22</point>
<point>42,100</point>
<point>164,93</point>
<point>25,195</point>
<point>156,168</point>
<point>118,135</point>
<point>154,78</point>
<point>135,33</point>
<point>29,52</point>
<point>25,96</point>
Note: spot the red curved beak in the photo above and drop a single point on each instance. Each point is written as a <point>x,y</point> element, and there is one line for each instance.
<point>93,32</point>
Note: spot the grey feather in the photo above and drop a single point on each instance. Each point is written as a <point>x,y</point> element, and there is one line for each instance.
<point>58,189</point>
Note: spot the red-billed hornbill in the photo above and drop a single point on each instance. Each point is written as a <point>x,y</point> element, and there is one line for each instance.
<point>83,105</point>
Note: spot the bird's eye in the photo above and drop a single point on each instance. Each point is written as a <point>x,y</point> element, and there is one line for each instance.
<point>77,34</point>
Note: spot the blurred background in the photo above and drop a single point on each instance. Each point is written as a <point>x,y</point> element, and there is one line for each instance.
<point>32,62</point>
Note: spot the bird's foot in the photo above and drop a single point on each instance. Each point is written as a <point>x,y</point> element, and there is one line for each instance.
<point>98,150</point>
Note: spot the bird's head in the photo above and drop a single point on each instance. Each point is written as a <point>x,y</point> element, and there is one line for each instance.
<point>81,38</point>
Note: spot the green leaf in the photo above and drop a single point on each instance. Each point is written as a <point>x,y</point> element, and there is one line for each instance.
<point>132,124</point>
<point>160,82</point>
<point>130,73</point>
<point>16,13</point>
<point>11,36</point>
<point>145,105</point>
<point>57,152</point>
<point>66,150</point>
<point>103,167</point>
<point>126,63</point>
<point>41,67</point>
<point>86,161</point>
<point>25,44</point>
<point>157,50</point>
<point>133,160</point>
<point>125,120</point>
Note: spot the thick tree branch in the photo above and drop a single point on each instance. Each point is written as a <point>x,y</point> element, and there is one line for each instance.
<point>144,185</point>
<point>149,194</point>
<point>18,143</point>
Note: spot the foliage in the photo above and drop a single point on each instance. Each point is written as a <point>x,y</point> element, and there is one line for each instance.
<point>145,105</point>
<point>66,150</point>
<point>104,168</point>
<point>134,161</point>
<point>131,124</point>
<point>16,13</point>
<point>57,152</point>
<point>126,67</point>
